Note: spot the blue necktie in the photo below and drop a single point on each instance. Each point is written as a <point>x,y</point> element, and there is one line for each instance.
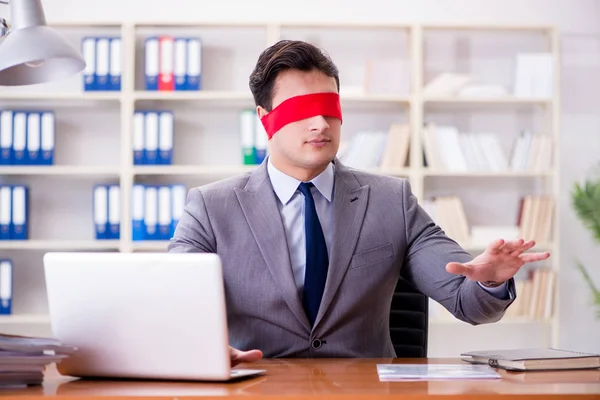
<point>317,260</point>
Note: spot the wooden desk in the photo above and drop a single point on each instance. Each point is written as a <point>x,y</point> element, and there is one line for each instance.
<point>349,379</point>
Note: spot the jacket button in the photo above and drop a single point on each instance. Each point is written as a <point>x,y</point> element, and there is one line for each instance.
<point>316,344</point>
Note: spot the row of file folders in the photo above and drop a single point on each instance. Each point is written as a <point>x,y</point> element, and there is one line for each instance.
<point>171,63</point>
<point>27,137</point>
<point>6,286</point>
<point>153,137</point>
<point>14,212</point>
<point>155,209</point>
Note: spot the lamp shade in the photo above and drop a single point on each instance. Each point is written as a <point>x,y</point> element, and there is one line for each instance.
<point>35,55</point>
<point>33,52</point>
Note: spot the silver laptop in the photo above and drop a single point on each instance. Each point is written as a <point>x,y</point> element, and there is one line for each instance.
<point>141,315</point>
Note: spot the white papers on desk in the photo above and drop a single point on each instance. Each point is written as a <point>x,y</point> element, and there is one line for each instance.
<point>421,372</point>
<point>24,359</point>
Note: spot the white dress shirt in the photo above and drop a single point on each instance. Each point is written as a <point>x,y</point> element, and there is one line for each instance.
<point>291,208</point>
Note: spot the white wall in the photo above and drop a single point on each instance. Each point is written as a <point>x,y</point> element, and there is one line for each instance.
<point>579,24</point>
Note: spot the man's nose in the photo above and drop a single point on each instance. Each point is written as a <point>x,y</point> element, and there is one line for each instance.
<point>318,123</point>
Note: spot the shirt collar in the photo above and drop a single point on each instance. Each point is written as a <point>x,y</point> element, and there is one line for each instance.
<point>285,186</point>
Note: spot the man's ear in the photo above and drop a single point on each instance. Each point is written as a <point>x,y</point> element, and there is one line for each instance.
<point>261,111</point>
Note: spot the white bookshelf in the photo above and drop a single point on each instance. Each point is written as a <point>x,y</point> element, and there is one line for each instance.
<point>94,129</point>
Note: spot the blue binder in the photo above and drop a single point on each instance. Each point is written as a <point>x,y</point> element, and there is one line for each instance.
<point>261,141</point>
<point>165,138</point>
<point>102,63</point>
<point>114,212</point>
<point>178,198</point>
<point>48,136</point>
<point>19,141</point>
<point>100,204</point>
<point>151,137</point>
<point>88,50</point>
<point>194,64</point>
<point>5,211</point>
<point>180,63</point>
<point>34,137</point>
<point>116,65</point>
<point>6,137</point>
<point>152,62</point>
<point>164,212</point>
<point>139,140</point>
<point>20,213</point>
<point>151,213</point>
<point>6,287</point>
<point>138,212</point>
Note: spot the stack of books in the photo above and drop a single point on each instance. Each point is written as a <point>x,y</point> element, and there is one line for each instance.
<point>23,360</point>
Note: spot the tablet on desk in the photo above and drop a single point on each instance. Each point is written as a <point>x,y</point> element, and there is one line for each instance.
<point>141,315</point>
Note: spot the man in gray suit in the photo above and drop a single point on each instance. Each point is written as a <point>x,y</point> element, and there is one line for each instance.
<point>312,249</point>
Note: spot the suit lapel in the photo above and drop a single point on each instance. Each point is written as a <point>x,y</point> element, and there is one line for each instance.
<point>349,206</point>
<point>259,205</point>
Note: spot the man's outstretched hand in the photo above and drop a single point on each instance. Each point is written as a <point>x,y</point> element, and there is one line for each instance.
<point>499,262</point>
<point>238,356</point>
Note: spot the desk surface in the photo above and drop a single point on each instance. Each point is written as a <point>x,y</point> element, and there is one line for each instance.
<point>331,379</point>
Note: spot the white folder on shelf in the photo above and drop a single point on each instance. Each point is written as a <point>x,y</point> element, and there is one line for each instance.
<point>151,213</point>
<point>165,141</point>
<point>114,212</point>
<point>5,211</point>
<point>164,212</point>
<point>19,138</point>
<point>6,286</point>
<point>102,63</point>
<point>178,198</point>
<point>138,196</point>
<point>151,137</point>
<point>88,50</point>
<point>261,141</point>
<point>101,211</point>
<point>20,213</point>
<point>180,65</point>
<point>139,157</point>
<point>47,138</point>
<point>33,138</point>
<point>115,70</point>
<point>151,63</point>
<point>6,137</point>
<point>194,64</point>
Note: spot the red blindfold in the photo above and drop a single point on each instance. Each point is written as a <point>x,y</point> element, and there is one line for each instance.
<point>302,107</point>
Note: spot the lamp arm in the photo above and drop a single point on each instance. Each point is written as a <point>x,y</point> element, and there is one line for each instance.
<point>4,28</point>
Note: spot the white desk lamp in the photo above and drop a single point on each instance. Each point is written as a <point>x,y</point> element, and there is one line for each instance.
<point>32,52</point>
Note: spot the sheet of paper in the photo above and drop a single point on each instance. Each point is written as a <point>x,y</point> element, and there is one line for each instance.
<point>412,372</point>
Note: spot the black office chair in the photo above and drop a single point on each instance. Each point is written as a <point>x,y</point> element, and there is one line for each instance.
<point>409,315</point>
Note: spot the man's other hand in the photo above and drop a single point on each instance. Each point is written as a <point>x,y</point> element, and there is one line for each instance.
<point>499,262</point>
<point>238,356</point>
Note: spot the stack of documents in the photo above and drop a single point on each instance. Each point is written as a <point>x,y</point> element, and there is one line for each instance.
<point>421,372</point>
<point>535,359</point>
<point>24,359</point>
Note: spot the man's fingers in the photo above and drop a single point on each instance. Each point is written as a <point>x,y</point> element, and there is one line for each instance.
<point>494,247</point>
<point>532,257</point>
<point>512,245</point>
<point>517,250</point>
<point>238,356</point>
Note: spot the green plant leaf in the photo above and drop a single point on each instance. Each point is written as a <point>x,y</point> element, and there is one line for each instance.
<point>586,204</point>
<point>593,288</point>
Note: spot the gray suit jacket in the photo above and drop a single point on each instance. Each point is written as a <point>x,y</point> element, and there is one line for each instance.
<point>379,230</point>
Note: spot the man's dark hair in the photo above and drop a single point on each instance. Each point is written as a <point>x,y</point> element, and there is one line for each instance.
<point>284,55</point>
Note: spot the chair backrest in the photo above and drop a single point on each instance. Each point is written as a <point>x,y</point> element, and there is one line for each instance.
<point>409,321</point>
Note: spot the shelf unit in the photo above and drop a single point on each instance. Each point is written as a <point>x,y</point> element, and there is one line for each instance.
<point>223,96</point>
